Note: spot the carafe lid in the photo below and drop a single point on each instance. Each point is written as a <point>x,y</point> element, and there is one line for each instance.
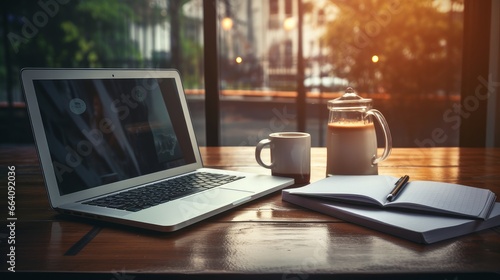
<point>349,100</point>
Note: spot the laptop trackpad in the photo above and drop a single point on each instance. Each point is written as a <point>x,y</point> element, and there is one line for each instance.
<point>219,197</point>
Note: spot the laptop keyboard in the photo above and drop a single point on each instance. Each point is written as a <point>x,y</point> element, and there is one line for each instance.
<point>160,192</point>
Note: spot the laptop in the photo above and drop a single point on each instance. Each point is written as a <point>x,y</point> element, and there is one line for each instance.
<point>118,145</point>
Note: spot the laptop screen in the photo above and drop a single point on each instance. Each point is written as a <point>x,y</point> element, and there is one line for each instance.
<point>101,131</point>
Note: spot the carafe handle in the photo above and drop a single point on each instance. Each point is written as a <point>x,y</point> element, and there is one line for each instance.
<point>387,134</point>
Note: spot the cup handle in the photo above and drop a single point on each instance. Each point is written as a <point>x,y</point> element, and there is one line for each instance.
<point>387,134</point>
<point>258,150</point>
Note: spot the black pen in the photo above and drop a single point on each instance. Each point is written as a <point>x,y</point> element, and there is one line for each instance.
<point>400,184</point>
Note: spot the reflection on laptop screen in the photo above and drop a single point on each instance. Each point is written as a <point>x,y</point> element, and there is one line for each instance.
<point>106,130</point>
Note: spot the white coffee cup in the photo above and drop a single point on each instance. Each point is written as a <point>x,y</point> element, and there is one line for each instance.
<point>290,155</point>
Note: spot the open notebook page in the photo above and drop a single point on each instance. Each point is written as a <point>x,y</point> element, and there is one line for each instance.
<point>374,186</point>
<point>451,197</point>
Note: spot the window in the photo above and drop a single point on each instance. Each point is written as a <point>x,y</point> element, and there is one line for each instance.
<point>273,7</point>
<point>289,8</point>
<point>94,33</point>
<point>405,55</point>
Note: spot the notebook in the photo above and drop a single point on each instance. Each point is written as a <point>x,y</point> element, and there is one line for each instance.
<point>423,196</point>
<point>118,145</point>
<point>413,226</point>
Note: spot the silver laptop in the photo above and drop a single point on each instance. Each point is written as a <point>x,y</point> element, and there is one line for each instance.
<point>118,145</point>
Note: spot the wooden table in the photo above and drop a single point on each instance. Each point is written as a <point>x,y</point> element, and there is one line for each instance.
<point>268,237</point>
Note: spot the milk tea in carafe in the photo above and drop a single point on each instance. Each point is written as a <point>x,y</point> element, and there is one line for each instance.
<point>351,137</point>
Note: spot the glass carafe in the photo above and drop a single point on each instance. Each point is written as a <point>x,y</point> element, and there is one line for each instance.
<point>351,137</point>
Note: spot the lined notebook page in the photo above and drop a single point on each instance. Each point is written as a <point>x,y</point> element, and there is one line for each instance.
<point>450,197</point>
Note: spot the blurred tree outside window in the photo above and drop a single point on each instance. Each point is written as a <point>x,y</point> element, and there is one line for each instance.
<point>418,45</point>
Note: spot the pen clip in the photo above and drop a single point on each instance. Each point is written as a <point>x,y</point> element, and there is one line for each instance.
<point>399,180</point>
<point>398,187</point>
